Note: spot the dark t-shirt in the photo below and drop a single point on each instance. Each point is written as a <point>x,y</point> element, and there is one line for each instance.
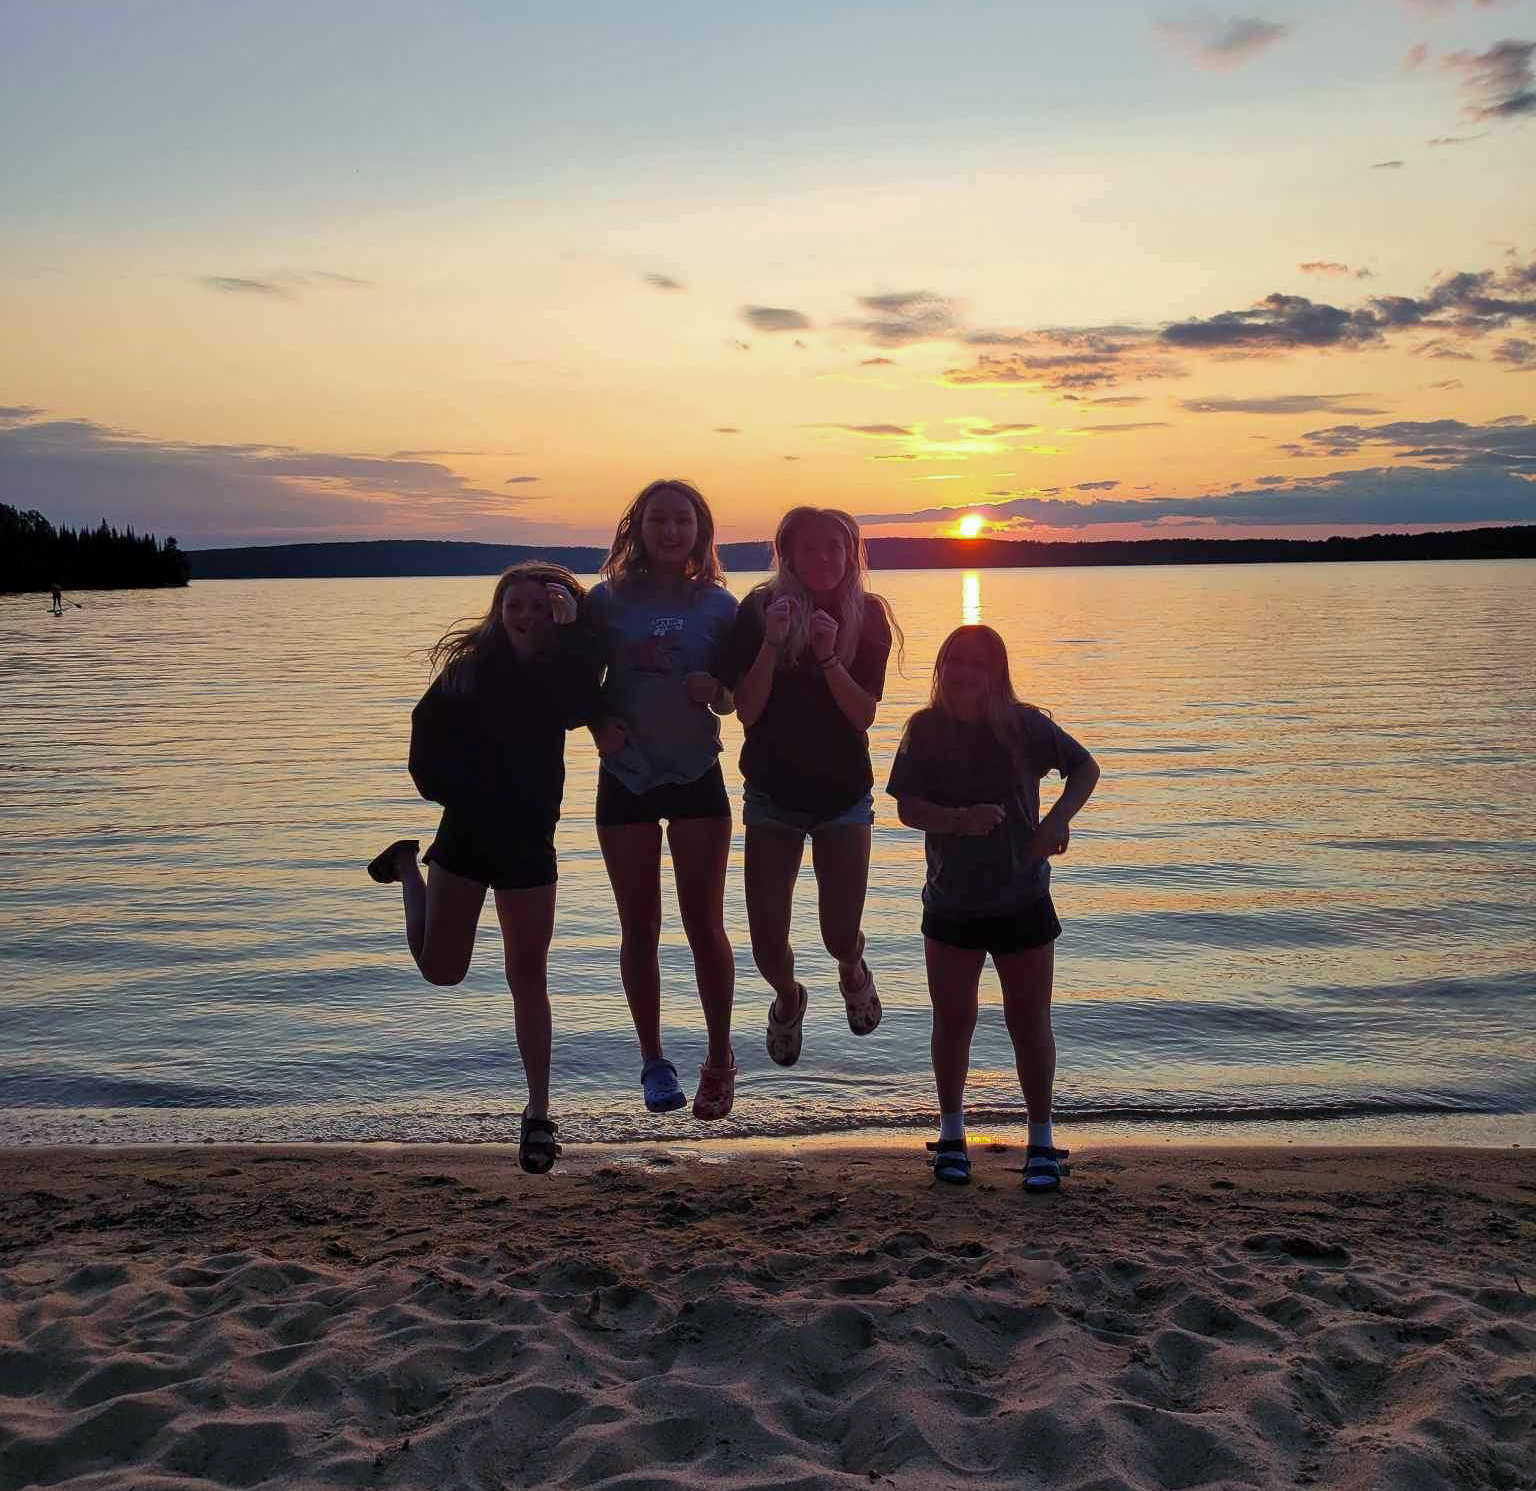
<point>802,750</point>
<point>498,750</point>
<point>946,761</point>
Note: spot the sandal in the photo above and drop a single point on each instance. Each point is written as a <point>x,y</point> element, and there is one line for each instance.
<point>950,1161</point>
<point>716,1091</point>
<point>863,1003</point>
<point>1043,1168</point>
<point>536,1147</point>
<point>658,1080</point>
<point>382,866</point>
<point>784,1037</point>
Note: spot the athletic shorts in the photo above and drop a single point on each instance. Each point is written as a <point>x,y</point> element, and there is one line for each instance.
<point>1034,926</point>
<point>758,810</point>
<point>504,856</point>
<point>702,798</point>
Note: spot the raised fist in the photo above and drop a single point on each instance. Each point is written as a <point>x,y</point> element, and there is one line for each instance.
<point>778,618</point>
<point>823,635</point>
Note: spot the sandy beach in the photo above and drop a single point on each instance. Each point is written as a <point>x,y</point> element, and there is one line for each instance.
<point>755,1317</point>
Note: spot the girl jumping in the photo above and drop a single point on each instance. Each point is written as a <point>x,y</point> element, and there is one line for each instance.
<point>807,662</point>
<point>662,613</point>
<point>968,774</point>
<point>488,743</point>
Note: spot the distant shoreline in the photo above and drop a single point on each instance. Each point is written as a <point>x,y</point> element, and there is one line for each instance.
<point>427,557</point>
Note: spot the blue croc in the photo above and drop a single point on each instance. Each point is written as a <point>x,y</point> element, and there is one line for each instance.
<point>659,1079</point>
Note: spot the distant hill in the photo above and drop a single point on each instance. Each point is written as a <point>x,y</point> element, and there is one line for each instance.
<point>434,557</point>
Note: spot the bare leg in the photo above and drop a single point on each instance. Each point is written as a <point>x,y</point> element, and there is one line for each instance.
<point>1026,979</point>
<point>700,848</point>
<point>840,857</point>
<point>632,853</point>
<point>441,913</point>
<point>772,863</point>
<point>527,922</point>
<point>953,976</point>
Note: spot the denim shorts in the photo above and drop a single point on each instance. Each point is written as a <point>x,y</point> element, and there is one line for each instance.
<point>758,810</point>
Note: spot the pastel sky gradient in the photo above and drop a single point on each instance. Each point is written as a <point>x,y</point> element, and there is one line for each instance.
<point>290,272</point>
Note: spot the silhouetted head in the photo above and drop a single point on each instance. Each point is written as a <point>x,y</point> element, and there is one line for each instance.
<point>520,617</point>
<point>971,678</point>
<point>820,563</point>
<point>821,548</point>
<point>668,531</point>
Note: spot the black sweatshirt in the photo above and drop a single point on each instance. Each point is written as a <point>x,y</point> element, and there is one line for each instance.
<point>498,750</point>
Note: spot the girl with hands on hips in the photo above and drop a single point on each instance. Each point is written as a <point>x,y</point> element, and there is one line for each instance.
<point>968,774</point>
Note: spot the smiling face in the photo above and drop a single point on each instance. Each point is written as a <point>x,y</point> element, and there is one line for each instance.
<point>669,529</point>
<point>968,673</point>
<point>526,615</point>
<point>818,556</point>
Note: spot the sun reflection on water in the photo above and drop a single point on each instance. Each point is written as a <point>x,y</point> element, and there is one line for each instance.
<point>970,597</point>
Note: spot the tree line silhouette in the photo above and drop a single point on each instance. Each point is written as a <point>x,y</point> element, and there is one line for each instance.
<point>34,555</point>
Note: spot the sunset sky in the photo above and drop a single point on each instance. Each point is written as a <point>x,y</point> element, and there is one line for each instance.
<point>292,272</point>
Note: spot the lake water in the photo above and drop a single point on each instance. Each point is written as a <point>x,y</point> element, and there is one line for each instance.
<point>1304,892</point>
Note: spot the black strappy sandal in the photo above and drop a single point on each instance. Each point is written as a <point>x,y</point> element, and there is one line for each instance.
<point>950,1161</point>
<point>1043,1168</point>
<point>537,1150</point>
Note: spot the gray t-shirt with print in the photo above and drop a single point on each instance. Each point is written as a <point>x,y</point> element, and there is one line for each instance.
<point>651,642</point>
<point>954,764</point>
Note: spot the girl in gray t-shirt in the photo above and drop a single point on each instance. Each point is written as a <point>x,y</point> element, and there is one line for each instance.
<point>968,774</point>
<point>662,614</point>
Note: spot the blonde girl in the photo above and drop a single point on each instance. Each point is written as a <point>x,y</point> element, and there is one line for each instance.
<point>488,743</point>
<point>968,774</point>
<point>662,613</point>
<point>807,661</point>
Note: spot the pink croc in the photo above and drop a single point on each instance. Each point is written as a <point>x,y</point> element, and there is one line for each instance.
<point>863,1003</point>
<point>716,1092</point>
<point>784,1037</point>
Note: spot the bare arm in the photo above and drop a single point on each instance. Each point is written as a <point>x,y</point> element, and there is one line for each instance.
<point>858,705</point>
<point>755,685</point>
<point>1053,836</point>
<point>978,819</point>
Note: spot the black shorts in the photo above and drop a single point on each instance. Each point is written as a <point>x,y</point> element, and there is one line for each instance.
<point>503,855</point>
<point>1034,926</point>
<point>702,798</point>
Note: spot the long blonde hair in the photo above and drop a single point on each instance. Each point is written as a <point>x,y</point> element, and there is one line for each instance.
<point>460,650</point>
<point>847,606</point>
<point>627,558</point>
<point>1001,709</point>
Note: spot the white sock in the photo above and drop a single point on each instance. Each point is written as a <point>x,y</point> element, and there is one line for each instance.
<point>951,1126</point>
<point>1040,1133</point>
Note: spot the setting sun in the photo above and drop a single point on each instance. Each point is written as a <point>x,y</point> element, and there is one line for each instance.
<point>970,525</point>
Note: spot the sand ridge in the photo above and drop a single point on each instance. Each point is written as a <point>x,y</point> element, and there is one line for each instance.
<point>807,1318</point>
